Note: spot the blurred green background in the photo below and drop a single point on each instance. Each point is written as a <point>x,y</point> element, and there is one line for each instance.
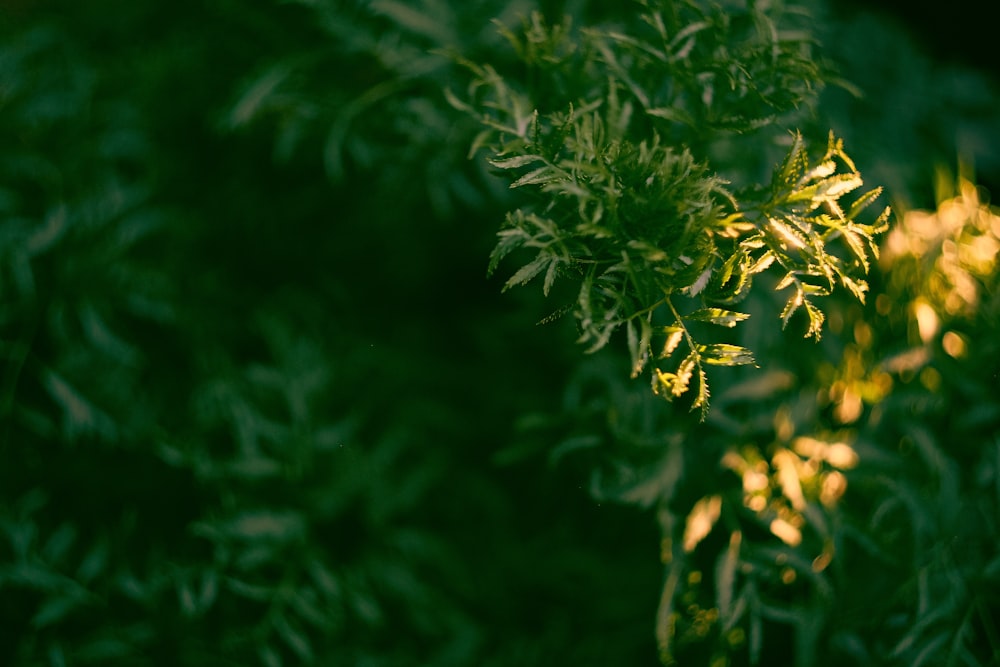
<point>259,403</point>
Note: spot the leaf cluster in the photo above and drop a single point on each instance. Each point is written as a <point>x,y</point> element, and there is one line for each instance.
<point>617,202</point>
<point>853,509</point>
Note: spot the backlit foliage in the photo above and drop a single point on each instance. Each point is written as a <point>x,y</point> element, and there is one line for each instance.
<point>259,406</point>
<point>609,140</point>
<point>766,509</point>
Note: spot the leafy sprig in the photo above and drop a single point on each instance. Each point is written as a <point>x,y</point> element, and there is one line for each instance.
<point>652,235</point>
<point>802,219</point>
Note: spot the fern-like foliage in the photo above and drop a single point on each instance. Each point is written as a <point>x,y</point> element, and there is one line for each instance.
<point>608,142</point>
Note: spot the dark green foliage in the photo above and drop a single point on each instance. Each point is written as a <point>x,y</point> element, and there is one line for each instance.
<point>231,431</point>
<point>640,227</point>
<point>259,406</point>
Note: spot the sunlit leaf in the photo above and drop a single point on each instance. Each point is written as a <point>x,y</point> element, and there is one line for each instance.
<point>863,202</point>
<point>762,263</point>
<point>675,335</point>
<point>684,373</point>
<point>702,394</point>
<point>700,521</point>
<point>816,319</point>
<point>725,354</point>
<point>793,304</point>
<point>788,235</point>
<point>725,318</point>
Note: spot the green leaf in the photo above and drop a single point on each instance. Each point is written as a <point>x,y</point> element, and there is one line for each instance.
<point>725,584</point>
<point>813,290</point>
<point>857,287</point>
<point>663,383</point>
<point>737,259</point>
<point>550,275</point>
<point>250,591</point>
<point>55,609</point>
<point>786,280</point>
<point>725,354</point>
<point>684,372</point>
<point>456,103</point>
<point>701,398</point>
<point>546,174</point>
<point>929,652</point>
<point>479,142</point>
<point>863,202</point>
<point>510,240</point>
<point>528,271</point>
<point>294,638</point>
<point>719,316</point>
<point>638,343</point>
<point>820,171</point>
<point>94,563</point>
<point>835,187</point>
<point>793,304</point>
<point>516,161</point>
<point>674,114</point>
<point>688,32</point>
<point>816,319</point>
<point>794,163</point>
<point>189,607</point>
<point>269,657</point>
<point>856,244</point>
<point>788,235</point>
<point>675,335</point>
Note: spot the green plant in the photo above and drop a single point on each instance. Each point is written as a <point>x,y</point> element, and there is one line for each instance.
<point>612,140</point>
<point>218,447</point>
<point>258,406</point>
<point>776,507</point>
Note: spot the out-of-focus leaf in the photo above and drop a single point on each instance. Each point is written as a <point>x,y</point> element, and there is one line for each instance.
<point>294,638</point>
<point>701,520</point>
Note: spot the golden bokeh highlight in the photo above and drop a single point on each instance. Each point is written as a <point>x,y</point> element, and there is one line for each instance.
<point>954,344</point>
<point>950,250</point>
